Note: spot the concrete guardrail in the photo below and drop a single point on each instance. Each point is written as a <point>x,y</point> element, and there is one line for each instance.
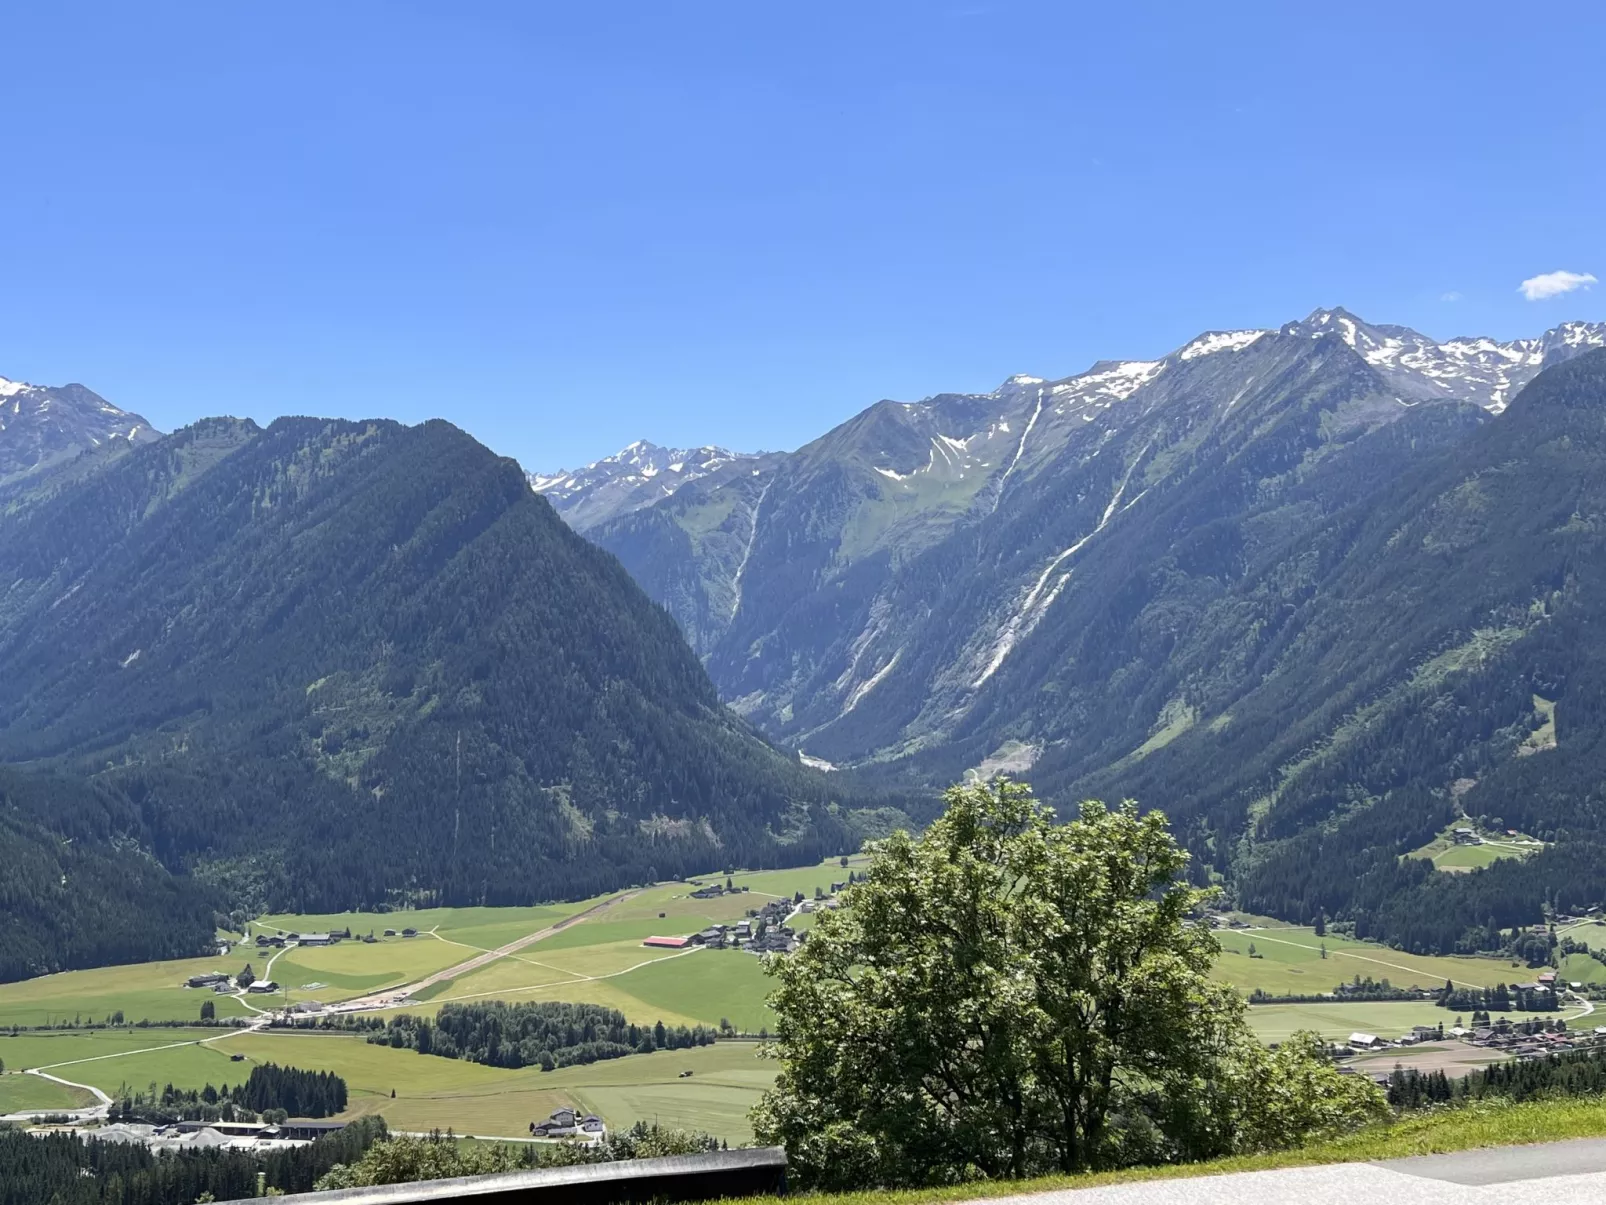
<point>745,1173</point>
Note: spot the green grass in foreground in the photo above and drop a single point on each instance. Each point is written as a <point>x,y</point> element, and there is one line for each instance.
<point>1488,1123</point>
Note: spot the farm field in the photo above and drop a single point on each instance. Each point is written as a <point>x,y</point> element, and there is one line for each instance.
<point>1290,962</point>
<point>1591,933</point>
<point>598,959</point>
<point>429,1092</point>
<point>151,991</point>
<point>20,1092</point>
<point>1386,1018</point>
<point>1445,854</point>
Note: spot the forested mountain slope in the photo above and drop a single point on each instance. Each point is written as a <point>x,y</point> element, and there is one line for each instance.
<point>1289,586</point>
<point>76,889</point>
<point>910,557</point>
<point>332,663</point>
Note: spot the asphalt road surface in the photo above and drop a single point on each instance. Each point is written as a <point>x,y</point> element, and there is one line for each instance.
<point>1555,1173</point>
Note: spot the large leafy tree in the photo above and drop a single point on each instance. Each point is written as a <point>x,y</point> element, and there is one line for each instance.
<point>1005,995</point>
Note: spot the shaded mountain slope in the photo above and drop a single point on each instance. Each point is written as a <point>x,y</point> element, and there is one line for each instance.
<point>333,663</point>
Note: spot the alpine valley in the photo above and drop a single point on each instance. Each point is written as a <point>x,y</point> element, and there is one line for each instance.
<point>323,665</point>
<point>1319,592</point>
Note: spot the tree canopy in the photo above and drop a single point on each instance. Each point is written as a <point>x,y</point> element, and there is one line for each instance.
<point>1006,996</point>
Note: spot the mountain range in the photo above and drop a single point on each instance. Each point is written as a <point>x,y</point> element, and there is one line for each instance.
<point>1318,592</point>
<point>1161,579</point>
<point>326,664</point>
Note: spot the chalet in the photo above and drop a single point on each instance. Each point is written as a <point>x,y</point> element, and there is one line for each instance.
<point>409,932</point>
<point>562,1124</point>
<point>208,979</point>
<point>1548,979</point>
<point>1365,1041</point>
<point>315,939</point>
<point>262,987</point>
<point>390,933</point>
<point>1465,836</point>
<point>1426,1033</point>
<point>667,943</point>
<point>709,892</point>
<point>714,936</point>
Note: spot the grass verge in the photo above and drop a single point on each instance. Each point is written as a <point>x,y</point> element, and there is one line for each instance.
<point>1481,1124</point>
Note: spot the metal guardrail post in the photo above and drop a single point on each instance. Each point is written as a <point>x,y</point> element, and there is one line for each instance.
<point>751,1172</point>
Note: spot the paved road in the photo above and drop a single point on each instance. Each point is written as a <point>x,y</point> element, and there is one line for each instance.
<point>1555,1173</point>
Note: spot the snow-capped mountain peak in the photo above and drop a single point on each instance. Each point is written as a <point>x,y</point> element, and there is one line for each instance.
<point>43,424</point>
<point>637,475</point>
<point>1470,369</point>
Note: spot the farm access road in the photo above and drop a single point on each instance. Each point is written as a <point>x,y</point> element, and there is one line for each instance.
<point>395,995</point>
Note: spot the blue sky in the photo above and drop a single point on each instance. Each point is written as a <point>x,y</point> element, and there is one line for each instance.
<point>568,226</point>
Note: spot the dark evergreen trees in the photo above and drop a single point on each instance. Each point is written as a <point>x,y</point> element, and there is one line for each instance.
<point>328,664</point>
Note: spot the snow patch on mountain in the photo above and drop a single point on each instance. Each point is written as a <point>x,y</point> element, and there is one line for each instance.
<point>1215,341</point>
<point>1036,603</point>
<point>638,475</point>
<point>1484,371</point>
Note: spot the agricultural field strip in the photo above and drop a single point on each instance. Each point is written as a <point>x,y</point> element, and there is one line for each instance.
<point>1586,1008</point>
<point>507,991</point>
<point>515,957</point>
<point>1340,953</point>
<point>372,1000</point>
<point>90,1088</point>
<point>254,1027</point>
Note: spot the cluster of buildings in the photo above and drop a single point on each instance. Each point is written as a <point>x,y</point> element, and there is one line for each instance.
<point>211,1135</point>
<point>743,935</point>
<point>767,930</point>
<point>570,1123</point>
<point>1530,1038</point>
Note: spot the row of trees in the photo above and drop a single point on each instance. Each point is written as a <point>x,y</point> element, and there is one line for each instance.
<point>64,1169</point>
<point>270,1091</point>
<point>546,1034</point>
<point>1570,1073</point>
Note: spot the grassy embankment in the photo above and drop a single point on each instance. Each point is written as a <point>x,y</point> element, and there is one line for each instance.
<point>1492,1123</point>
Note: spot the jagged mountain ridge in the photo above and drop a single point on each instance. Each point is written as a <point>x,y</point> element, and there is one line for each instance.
<point>1303,600</point>
<point>637,476</point>
<point>792,582</point>
<point>45,425</point>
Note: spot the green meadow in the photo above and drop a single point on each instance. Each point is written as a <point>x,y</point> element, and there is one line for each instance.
<point>1289,961</point>
<point>599,958</point>
<point>19,1093</point>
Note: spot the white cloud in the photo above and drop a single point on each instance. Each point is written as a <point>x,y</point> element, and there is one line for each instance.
<point>1452,295</point>
<point>1554,284</point>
